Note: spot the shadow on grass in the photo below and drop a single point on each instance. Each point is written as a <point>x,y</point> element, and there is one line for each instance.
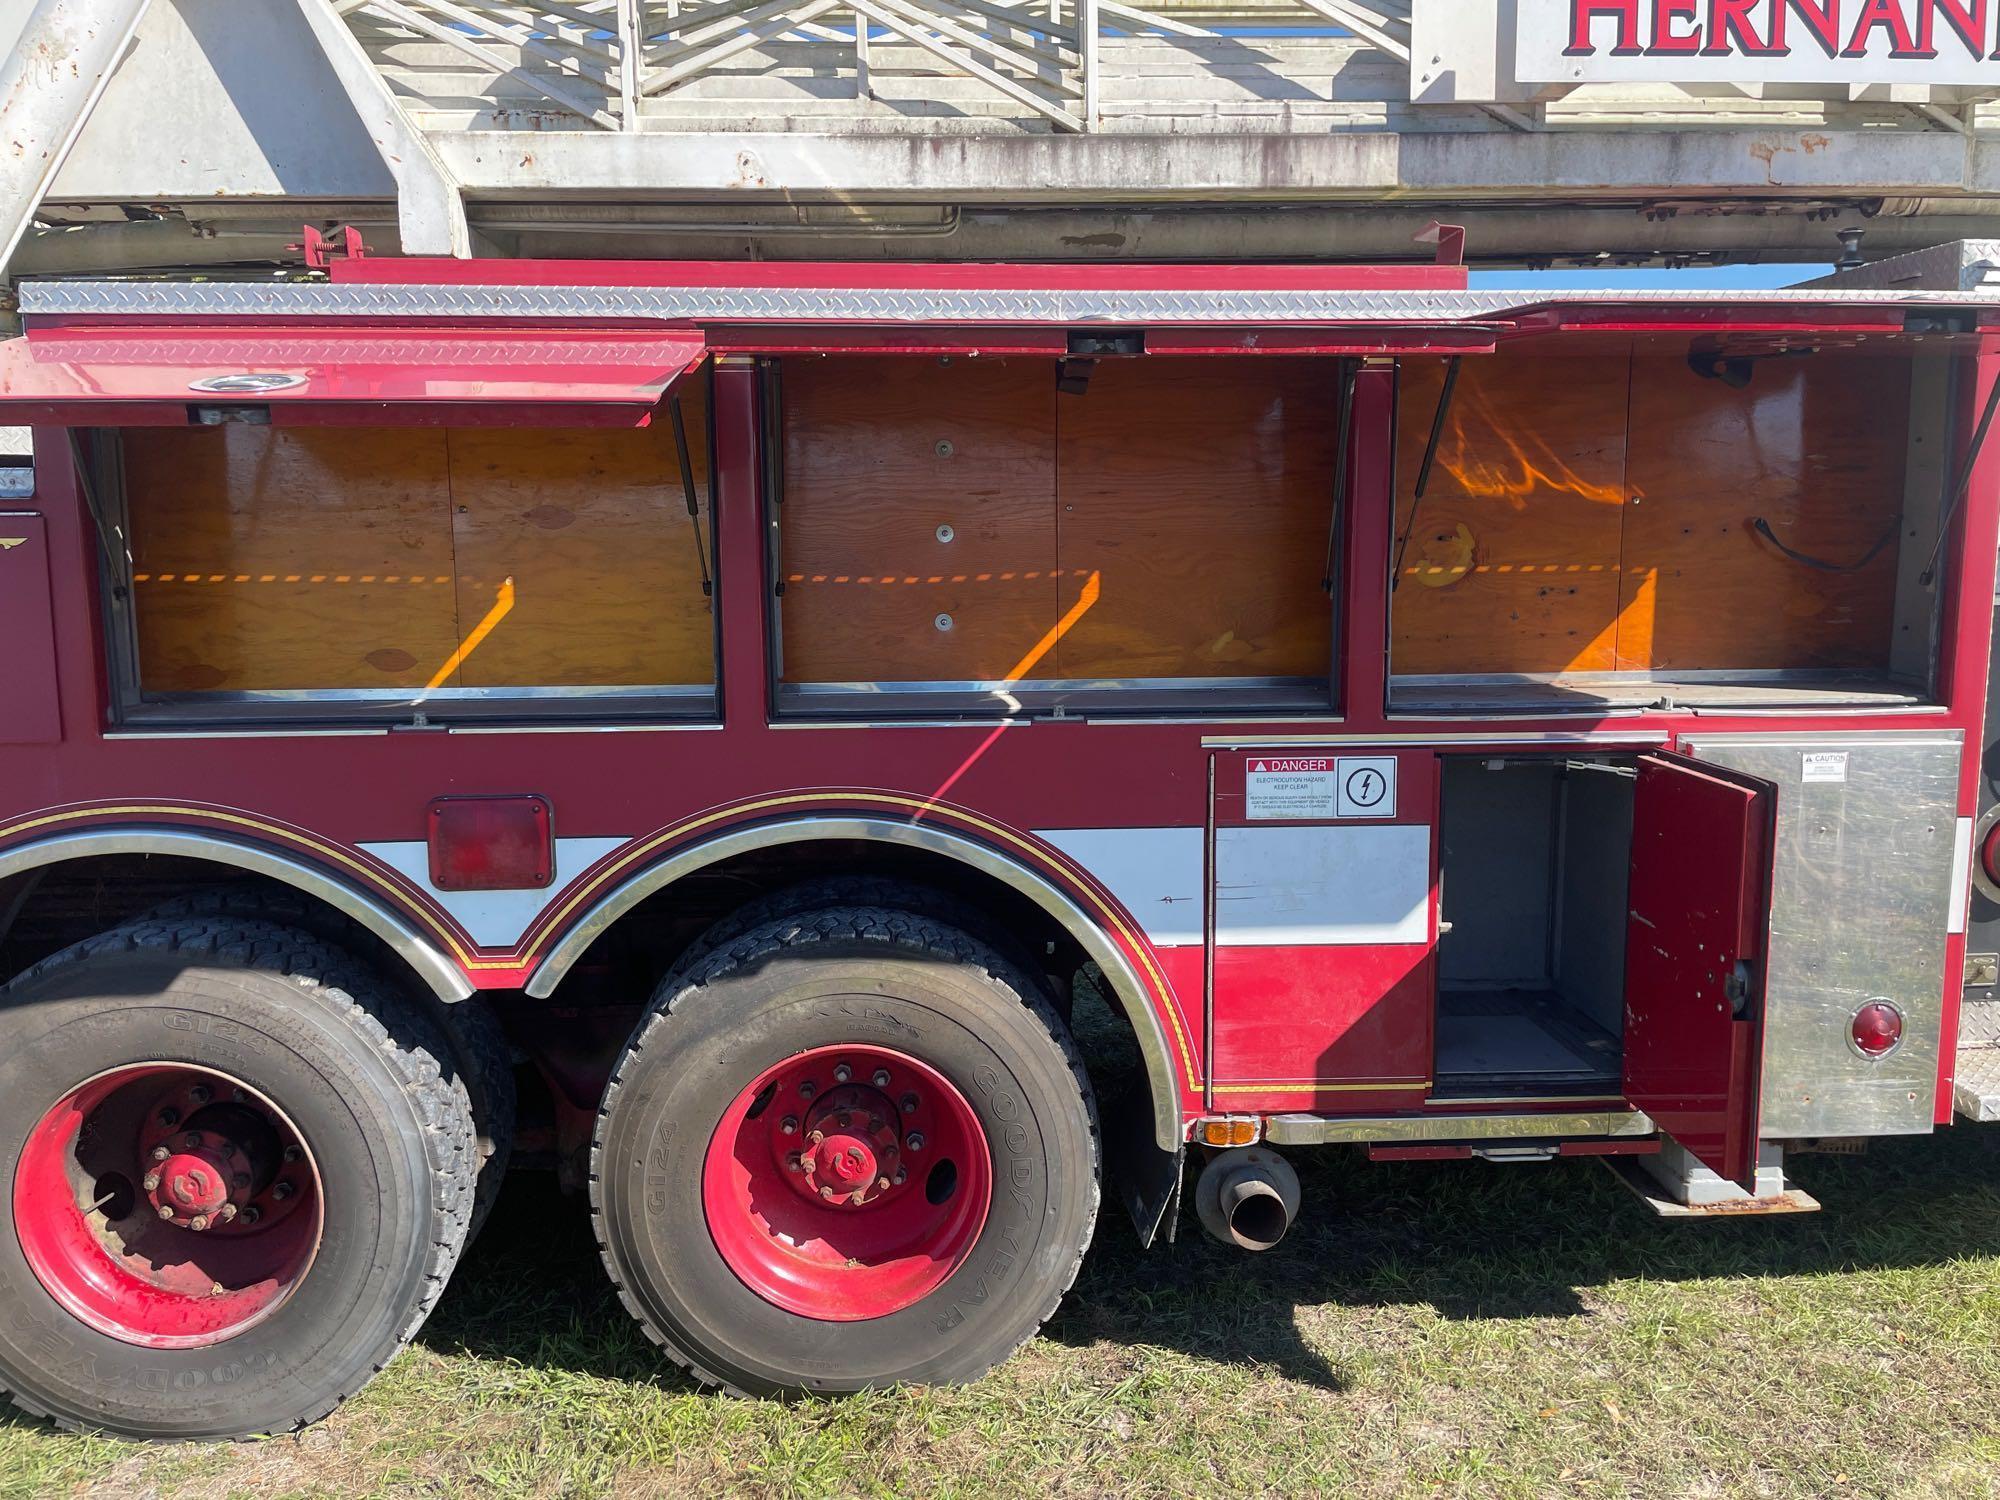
<point>1470,1240</point>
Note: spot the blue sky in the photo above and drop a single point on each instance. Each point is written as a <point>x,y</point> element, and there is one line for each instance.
<point>1653,276</point>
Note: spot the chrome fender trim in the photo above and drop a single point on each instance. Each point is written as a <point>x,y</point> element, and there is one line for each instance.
<point>1125,983</point>
<point>436,969</point>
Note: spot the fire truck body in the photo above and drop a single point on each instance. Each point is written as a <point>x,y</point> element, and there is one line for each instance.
<point>771,695</point>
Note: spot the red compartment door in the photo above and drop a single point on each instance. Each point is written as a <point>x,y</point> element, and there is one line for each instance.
<point>1695,924</point>
<point>30,711</point>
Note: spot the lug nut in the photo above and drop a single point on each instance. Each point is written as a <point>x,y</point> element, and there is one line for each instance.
<point>914,1141</point>
<point>165,1212</point>
<point>881,1078</point>
<point>901,1177</point>
<point>281,1191</point>
<point>909,1104</point>
<point>882,1182</point>
<point>293,1153</point>
<point>842,1073</point>
<point>807,1089</point>
<point>816,1136</point>
<point>252,1214</point>
<point>198,1222</point>
<point>789,1125</point>
<point>826,1192</point>
<point>191,1140</point>
<point>152,1181</point>
<point>161,1153</point>
<point>200,1094</point>
<point>226,1212</point>
<point>170,1117</point>
<point>846,1118</point>
<point>238,1096</point>
<point>795,1162</point>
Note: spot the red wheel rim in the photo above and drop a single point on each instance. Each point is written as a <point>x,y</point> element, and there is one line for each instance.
<point>167,1206</point>
<point>847,1183</point>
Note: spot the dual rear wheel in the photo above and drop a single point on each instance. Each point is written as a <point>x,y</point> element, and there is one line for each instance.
<point>845,1147</point>
<point>848,1148</point>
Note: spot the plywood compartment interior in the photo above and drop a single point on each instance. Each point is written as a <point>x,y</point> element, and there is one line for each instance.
<point>400,559</point>
<point>1590,529</point>
<point>1534,857</point>
<point>960,522</point>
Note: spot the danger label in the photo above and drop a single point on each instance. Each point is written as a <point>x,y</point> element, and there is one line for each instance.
<point>1317,788</point>
<point>1289,788</point>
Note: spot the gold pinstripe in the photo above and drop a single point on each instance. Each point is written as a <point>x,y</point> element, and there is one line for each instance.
<point>550,919</point>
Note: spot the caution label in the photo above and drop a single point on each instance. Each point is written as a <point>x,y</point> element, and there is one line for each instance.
<point>1289,788</point>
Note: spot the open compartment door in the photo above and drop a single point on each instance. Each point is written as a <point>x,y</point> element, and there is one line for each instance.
<point>195,374</point>
<point>1694,957</point>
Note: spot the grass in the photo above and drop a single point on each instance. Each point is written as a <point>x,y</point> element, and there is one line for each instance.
<point>1453,1329</point>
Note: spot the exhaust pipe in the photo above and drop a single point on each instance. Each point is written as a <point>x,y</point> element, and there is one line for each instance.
<point>1247,1197</point>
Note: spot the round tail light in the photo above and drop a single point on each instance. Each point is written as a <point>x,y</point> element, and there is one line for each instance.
<point>1877,1028</point>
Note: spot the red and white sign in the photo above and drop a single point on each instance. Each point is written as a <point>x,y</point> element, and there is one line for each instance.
<point>1294,788</point>
<point>1939,42</point>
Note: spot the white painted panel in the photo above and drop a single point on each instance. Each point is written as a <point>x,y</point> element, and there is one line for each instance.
<point>494,919</point>
<point>1345,884</point>
<point>1155,873</point>
<point>1961,875</point>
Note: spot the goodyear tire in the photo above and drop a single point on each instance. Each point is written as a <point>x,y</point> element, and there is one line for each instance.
<point>852,1147</point>
<point>239,1174</point>
<point>480,1055</point>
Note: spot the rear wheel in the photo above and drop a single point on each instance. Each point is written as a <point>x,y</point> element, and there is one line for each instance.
<point>850,1148</point>
<point>238,1172</point>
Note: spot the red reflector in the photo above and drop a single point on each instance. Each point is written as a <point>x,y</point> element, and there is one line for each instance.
<point>1876,1029</point>
<point>491,843</point>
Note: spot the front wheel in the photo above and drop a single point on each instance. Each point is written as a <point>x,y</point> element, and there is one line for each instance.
<point>853,1147</point>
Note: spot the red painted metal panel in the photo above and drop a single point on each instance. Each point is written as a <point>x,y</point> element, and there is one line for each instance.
<point>82,375</point>
<point>1698,908</point>
<point>1320,1019</point>
<point>30,710</point>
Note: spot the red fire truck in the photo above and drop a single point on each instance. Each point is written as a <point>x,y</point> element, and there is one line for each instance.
<point>745,707</point>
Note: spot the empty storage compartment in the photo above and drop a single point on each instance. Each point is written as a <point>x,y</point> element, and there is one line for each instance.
<point>1641,527</point>
<point>1534,858</point>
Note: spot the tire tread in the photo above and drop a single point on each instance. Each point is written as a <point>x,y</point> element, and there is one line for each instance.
<point>800,932</point>
<point>351,992</point>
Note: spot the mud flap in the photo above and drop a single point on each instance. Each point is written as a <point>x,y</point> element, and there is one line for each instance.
<point>1146,1178</point>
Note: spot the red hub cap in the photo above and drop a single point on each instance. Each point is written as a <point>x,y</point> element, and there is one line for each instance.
<point>847,1183</point>
<point>167,1206</point>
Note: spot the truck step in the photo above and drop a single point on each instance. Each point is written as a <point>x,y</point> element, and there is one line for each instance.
<point>1976,1092</point>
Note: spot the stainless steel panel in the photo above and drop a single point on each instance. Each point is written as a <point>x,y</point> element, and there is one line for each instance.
<point>1861,901</point>
<point>1315,1130</point>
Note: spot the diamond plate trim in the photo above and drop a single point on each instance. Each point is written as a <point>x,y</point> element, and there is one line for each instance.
<point>1976,1093</point>
<point>1976,1084</point>
<point>885,305</point>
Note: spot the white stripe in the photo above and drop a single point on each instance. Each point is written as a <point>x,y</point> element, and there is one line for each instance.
<point>1154,872</point>
<point>494,919</point>
<point>1306,887</point>
<point>1961,874</point>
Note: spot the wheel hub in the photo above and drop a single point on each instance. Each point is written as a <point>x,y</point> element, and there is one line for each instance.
<point>886,1181</point>
<point>167,1206</point>
<point>854,1152</point>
